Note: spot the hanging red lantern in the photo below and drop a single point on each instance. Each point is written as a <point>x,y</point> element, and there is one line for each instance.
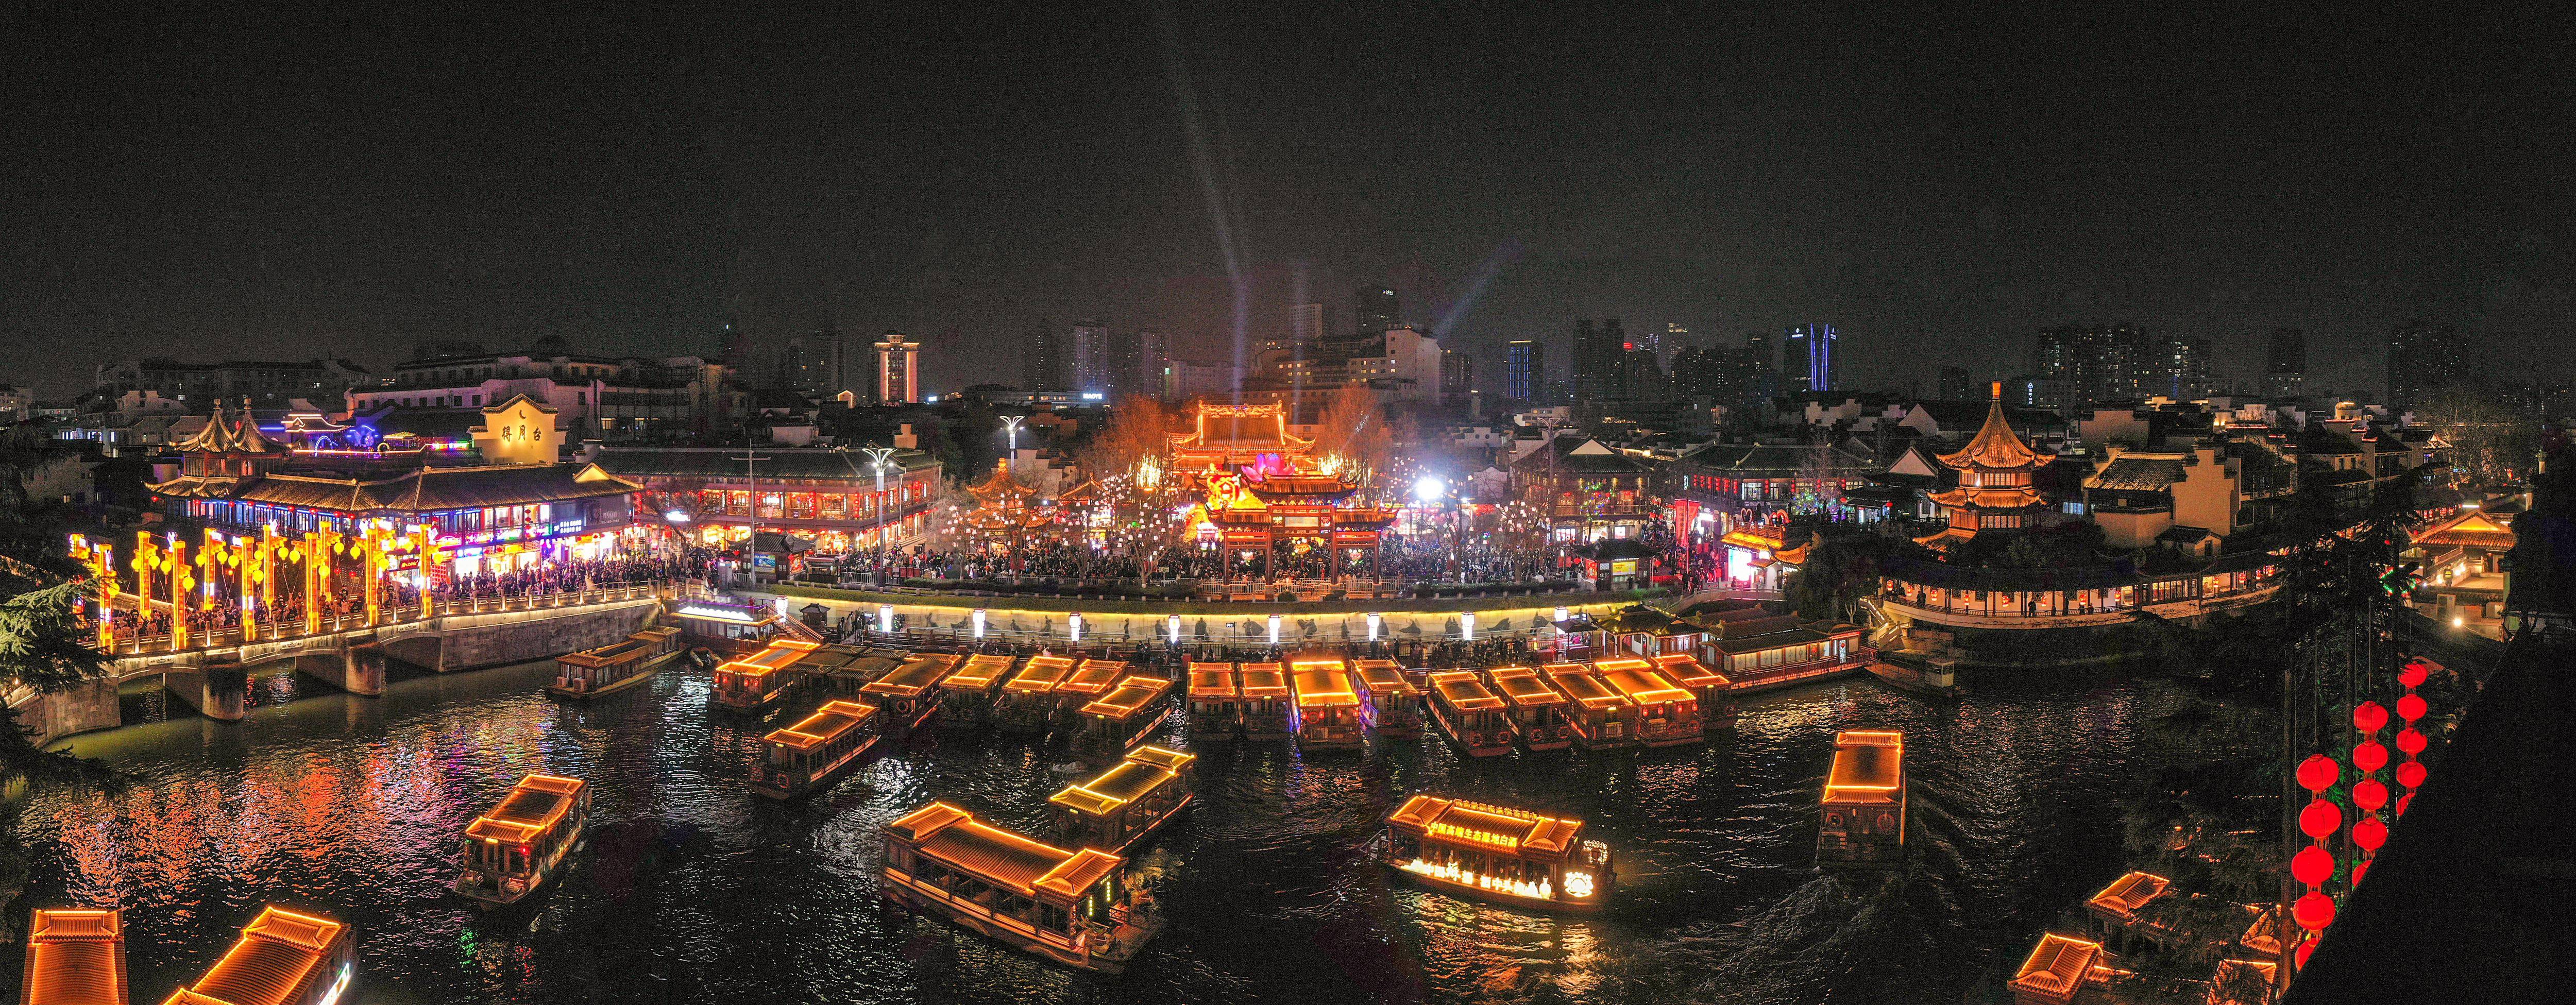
<point>2413,673</point>
<point>2321,818</point>
<point>2411,775</point>
<point>2359,869</point>
<point>2319,773</point>
<point>2369,794</point>
<point>2410,708</point>
<point>2410,741</point>
<point>2369,717</point>
<point>2305,948</point>
<point>2370,833</point>
<point>2313,911</point>
<point>2403,802</point>
<point>2312,865</point>
<point>2370,756</point>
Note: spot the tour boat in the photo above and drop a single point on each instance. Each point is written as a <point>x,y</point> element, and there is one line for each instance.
<point>75,956</point>
<point>1497,854</point>
<point>1932,676</point>
<point>1469,714</point>
<point>1666,715</point>
<point>1216,712</point>
<point>844,671</point>
<point>726,629</point>
<point>1327,711</point>
<point>1121,807</point>
<point>1027,703</point>
<point>1864,803</point>
<point>810,754</point>
<point>1389,702</point>
<point>1087,682</point>
<point>1537,711</point>
<point>590,673</point>
<point>1262,690</point>
<point>1602,720</point>
<point>283,958</point>
<point>1106,729</point>
<point>966,696</point>
<point>1716,703</point>
<point>523,842</point>
<point>757,683</point>
<point>1075,907</point>
<point>908,695</point>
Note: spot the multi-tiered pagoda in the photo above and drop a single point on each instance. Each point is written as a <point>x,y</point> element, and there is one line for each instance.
<point>1995,490</point>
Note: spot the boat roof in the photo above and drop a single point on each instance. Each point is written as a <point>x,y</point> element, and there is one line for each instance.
<point>737,614</point>
<point>980,672</point>
<point>2057,966</point>
<point>833,719</point>
<point>2130,892</point>
<point>1869,767</point>
<point>610,654</point>
<point>1262,680</point>
<point>1094,676</point>
<point>1486,827</point>
<point>1211,680</point>
<point>1383,677</point>
<point>1040,675</point>
<point>1637,681</point>
<point>918,674</point>
<point>1524,688</point>
<point>1321,683</point>
<point>1165,756</point>
<point>1001,858</point>
<point>75,956</point>
<point>275,955</point>
<point>1687,671</point>
<point>1124,783</point>
<point>777,656</point>
<point>1133,692</point>
<point>1463,691</point>
<point>1583,686</point>
<point>532,806</point>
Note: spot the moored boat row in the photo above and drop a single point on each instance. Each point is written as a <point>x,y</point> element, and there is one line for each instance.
<point>1604,705</point>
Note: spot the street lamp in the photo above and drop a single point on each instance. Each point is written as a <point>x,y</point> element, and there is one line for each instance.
<point>1011,430</point>
<point>877,462</point>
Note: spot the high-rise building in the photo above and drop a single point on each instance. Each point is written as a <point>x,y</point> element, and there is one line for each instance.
<point>1758,370</point>
<point>1136,363</point>
<point>1047,366</point>
<point>733,348</point>
<point>2116,362</point>
<point>1674,339</point>
<point>1457,373</point>
<point>819,364</point>
<point>1310,323</point>
<point>1595,362</point>
<point>1708,375</point>
<point>2421,357</point>
<point>1090,363</point>
<point>2285,364</point>
<point>1640,377</point>
<point>1954,384</point>
<point>2181,369</point>
<point>1378,309</point>
<point>1809,358</point>
<point>1524,369</point>
<point>898,370</point>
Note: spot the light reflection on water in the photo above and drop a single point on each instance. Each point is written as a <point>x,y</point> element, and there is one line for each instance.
<point>692,889</point>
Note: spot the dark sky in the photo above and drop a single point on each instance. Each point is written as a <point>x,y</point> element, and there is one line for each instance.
<point>1936,183</point>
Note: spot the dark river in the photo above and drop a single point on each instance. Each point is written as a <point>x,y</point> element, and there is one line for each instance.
<point>694,890</point>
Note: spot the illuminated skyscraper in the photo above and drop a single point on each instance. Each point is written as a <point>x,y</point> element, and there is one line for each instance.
<point>1809,358</point>
<point>1378,309</point>
<point>898,370</point>
<point>2422,356</point>
<point>1524,369</point>
<point>2285,364</point>
<point>1090,361</point>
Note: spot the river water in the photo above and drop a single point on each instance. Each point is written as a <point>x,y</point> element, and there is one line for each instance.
<point>694,890</point>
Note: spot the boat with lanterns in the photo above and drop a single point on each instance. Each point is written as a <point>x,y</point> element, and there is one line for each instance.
<point>812,753</point>
<point>1494,853</point>
<point>75,956</point>
<point>1327,711</point>
<point>1107,728</point>
<point>283,958</point>
<point>1469,715</point>
<point>590,673</point>
<point>1864,803</point>
<point>1119,808</point>
<point>908,695</point>
<point>758,683</point>
<point>1600,718</point>
<point>1390,704</point>
<point>1536,710</point>
<point>1261,690</point>
<point>726,629</point>
<point>522,843</point>
<point>1216,712</point>
<point>1666,715</point>
<point>1076,907</point>
<point>1027,702</point>
<point>966,696</point>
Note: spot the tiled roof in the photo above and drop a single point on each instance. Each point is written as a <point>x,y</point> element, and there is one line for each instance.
<point>2151,474</point>
<point>799,463</point>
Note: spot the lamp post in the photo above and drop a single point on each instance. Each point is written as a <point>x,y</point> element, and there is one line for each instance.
<point>877,463</point>
<point>1011,433</point>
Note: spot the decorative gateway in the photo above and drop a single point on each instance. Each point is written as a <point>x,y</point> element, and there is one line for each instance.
<point>1121,807</point>
<point>1076,908</point>
<point>284,958</point>
<point>590,673</point>
<point>810,754</point>
<point>1864,804</point>
<point>1497,854</point>
<point>523,842</point>
<point>1469,715</point>
<point>1216,712</point>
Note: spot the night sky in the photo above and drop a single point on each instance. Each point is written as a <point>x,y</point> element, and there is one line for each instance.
<point>1936,184</point>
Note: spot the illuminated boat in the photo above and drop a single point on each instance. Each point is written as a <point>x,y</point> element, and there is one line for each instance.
<point>726,629</point>
<point>590,673</point>
<point>814,751</point>
<point>757,683</point>
<point>1121,807</point>
<point>1074,907</point>
<point>1666,715</point>
<point>1262,691</point>
<point>908,695</point>
<point>283,958</point>
<point>1497,854</point>
<point>1087,682</point>
<point>1602,720</point>
<point>1716,706</point>
<point>845,671</point>
<point>966,696</point>
<point>1106,729</point>
<point>1027,703</point>
<point>1864,804</point>
<point>1537,711</point>
<point>75,956</point>
<point>522,843</point>
<point>1216,712</point>
<point>1390,703</point>
<point>1327,711</point>
<point>1469,715</point>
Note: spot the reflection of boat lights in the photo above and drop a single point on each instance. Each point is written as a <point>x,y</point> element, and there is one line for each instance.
<point>339,985</point>
<point>1578,884</point>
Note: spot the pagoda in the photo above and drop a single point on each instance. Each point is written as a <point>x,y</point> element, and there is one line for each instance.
<point>1003,512</point>
<point>1264,487</point>
<point>222,457</point>
<point>1995,490</point>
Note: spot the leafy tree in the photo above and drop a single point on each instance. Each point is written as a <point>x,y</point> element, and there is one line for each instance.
<point>2491,443</point>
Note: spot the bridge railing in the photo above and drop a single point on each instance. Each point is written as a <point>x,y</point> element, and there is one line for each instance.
<point>230,634</point>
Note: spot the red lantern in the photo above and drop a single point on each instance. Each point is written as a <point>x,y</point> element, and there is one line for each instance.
<point>2413,673</point>
<point>2369,717</point>
<point>2305,948</point>
<point>2410,708</point>
<point>2321,818</point>
<point>2370,833</point>
<point>2369,794</point>
<point>2410,775</point>
<point>2358,870</point>
<point>2410,741</point>
<point>2318,773</point>
<point>2403,802</point>
<point>2312,865</point>
<point>2313,911</point>
<point>2370,756</point>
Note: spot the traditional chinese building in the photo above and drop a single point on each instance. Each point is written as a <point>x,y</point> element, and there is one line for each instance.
<point>835,498</point>
<point>1005,513</point>
<point>1995,490</point>
<point>1265,489</point>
